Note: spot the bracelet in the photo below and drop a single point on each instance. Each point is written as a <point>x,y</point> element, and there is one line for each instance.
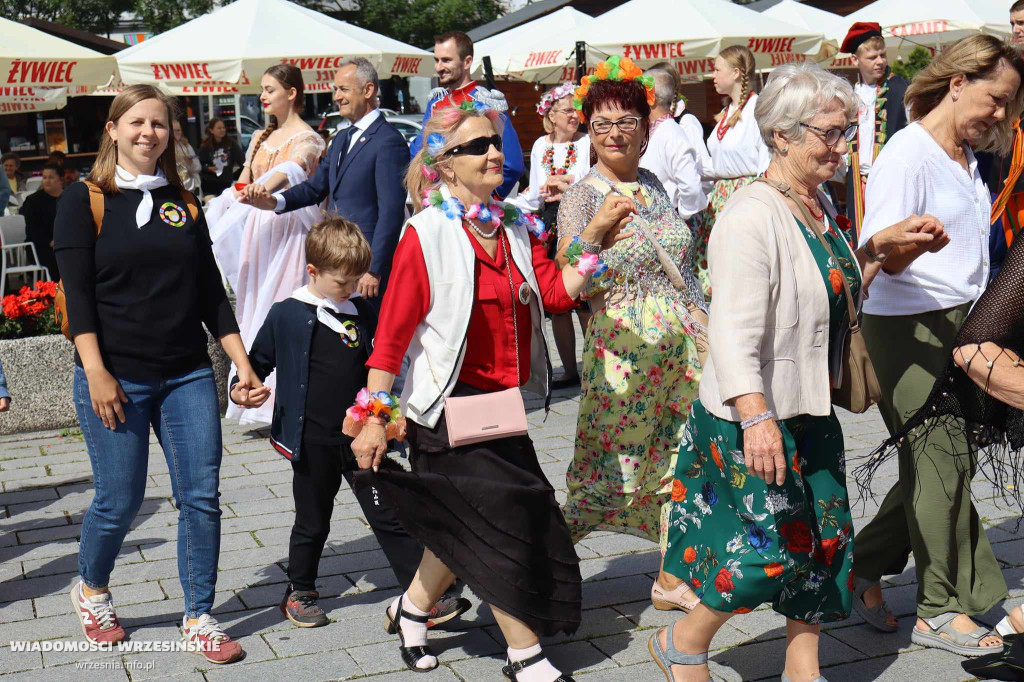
<point>589,247</point>
<point>375,408</point>
<point>585,263</point>
<point>872,256</point>
<point>754,421</point>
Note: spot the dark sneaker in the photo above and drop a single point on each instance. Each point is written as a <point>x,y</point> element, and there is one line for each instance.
<point>213,643</point>
<point>446,609</point>
<point>96,614</point>
<point>300,607</point>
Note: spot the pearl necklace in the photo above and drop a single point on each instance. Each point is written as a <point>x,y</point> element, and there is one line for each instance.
<point>485,235</point>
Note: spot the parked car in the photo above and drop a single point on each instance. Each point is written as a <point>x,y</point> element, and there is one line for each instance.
<point>249,126</point>
<point>335,122</point>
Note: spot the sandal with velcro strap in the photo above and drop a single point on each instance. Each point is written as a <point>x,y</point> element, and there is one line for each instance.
<point>962,643</point>
<point>511,670</point>
<point>411,655</point>
<point>669,655</point>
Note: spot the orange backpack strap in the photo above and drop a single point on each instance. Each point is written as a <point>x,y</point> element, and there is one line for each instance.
<point>191,203</point>
<point>96,205</point>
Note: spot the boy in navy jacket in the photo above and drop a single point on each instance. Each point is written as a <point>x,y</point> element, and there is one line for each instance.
<point>319,340</point>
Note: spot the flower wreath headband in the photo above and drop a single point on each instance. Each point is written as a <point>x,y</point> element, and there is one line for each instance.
<point>614,69</point>
<point>551,96</point>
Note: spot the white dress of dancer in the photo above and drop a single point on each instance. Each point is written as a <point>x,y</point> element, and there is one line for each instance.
<point>261,253</point>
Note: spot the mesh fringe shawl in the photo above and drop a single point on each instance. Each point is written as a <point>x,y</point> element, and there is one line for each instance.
<point>991,429</point>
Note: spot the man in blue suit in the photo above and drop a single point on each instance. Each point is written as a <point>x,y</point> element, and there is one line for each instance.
<point>453,60</point>
<point>361,176</point>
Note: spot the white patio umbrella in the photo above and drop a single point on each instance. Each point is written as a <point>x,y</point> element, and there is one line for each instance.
<point>691,33</point>
<point>27,99</point>
<point>229,49</point>
<point>539,51</point>
<point>832,25</point>
<point>909,24</point>
<point>32,58</point>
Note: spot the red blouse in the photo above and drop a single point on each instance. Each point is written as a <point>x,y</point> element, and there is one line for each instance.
<point>490,360</point>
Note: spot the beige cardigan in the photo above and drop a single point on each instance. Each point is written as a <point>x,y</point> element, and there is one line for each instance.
<point>769,313</point>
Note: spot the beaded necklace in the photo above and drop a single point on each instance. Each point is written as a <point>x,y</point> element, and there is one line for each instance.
<point>549,160</point>
<point>723,124</point>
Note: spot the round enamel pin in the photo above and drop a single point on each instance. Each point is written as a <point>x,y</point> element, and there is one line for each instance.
<point>350,337</point>
<point>524,293</point>
<point>172,214</point>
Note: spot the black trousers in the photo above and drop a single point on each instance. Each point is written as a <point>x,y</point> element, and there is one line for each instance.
<point>315,483</point>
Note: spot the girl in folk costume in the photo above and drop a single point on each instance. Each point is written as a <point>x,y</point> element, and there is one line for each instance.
<point>738,154</point>
<point>880,111</point>
<point>261,252</point>
<point>559,158</point>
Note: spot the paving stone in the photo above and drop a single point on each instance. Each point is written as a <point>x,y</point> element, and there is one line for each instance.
<point>618,544</point>
<point>16,661</point>
<point>616,590</point>
<point>328,665</point>
<point>767,659</point>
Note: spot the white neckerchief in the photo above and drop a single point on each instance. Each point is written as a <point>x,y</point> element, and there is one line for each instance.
<point>145,183</point>
<point>323,305</point>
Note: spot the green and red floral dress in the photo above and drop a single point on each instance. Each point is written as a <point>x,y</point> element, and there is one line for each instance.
<point>741,542</point>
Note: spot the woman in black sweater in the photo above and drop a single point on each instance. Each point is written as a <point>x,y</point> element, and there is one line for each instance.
<point>219,155</point>
<point>138,295</point>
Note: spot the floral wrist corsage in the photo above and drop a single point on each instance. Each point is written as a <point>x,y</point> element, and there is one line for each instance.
<point>585,263</point>
<point>379,405</point>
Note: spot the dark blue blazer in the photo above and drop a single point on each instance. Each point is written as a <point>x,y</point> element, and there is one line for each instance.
<point>284,342</point>
<point>365,186</point>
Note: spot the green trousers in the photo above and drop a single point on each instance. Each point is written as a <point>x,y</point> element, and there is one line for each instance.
<point>929,510</point>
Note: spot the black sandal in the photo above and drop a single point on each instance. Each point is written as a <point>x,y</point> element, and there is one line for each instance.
<point>510,670</point>
<point>411,655</point>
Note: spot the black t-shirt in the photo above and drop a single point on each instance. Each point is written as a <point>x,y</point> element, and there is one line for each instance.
<point>40,212</point>
<point>146,292</point>
<point>337,371</point>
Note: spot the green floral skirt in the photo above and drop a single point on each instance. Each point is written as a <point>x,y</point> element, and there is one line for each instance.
<point>702,222</point>
<point>741,542</point>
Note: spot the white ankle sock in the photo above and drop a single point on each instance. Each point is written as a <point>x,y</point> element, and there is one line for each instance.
<point>542,671</point>
<point>413,633</point>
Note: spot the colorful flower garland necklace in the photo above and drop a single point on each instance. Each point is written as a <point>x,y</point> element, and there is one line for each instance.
<point>615,68</point>
<point>495,214</point>
<point>549,160</point>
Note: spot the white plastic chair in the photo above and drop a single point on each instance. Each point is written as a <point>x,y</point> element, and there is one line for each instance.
<point>17,256</point>
<point>33,183</point>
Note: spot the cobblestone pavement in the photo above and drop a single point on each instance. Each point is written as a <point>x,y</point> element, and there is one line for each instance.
<point>47,487</point>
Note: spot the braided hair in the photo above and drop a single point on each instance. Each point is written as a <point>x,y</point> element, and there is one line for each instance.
<point>289,76</point>
<point>739,57</point>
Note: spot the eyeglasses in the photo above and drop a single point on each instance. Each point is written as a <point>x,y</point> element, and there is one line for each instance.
<point>626,124</point>
<point>832,135</point>
<point>476,147</point>
<point>567,112</point>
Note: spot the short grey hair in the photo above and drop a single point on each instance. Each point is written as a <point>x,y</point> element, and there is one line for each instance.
<point>664,87</point>
<point>364,68</point>
<point>796,93</point>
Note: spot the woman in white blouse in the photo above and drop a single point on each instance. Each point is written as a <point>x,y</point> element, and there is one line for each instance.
<point>963,101</point>
<point>738,154</point>
<point>559,158</point>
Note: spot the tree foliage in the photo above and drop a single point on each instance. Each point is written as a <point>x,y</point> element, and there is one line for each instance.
<point>103,16</point>
<point>918,58</point>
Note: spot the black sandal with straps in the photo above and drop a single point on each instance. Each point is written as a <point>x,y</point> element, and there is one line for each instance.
<point>411,655</point>
<point>511,670</point>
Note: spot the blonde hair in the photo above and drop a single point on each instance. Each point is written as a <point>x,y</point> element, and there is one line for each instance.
<point>338,244</point>
<point>738,57</point>
<point>549,126</point>
<point>872,43</point>
<point>104,170</point>
<point>979,57</point>
<point>444,121</point>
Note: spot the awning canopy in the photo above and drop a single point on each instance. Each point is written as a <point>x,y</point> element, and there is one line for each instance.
<point>227,51</point>
<point>31,58</point>
<point>691,33</point>
<point>20,100</point>
<point>906,24</point>
<point>833,26</point>
<point>539,51</point>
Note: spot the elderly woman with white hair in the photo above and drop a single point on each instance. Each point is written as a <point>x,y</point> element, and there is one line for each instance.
<point>760,511</point>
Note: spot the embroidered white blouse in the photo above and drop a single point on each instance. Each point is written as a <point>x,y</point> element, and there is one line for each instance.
<point>741,152</point>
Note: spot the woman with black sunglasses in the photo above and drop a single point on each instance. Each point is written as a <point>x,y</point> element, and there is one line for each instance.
<point>470,282</point>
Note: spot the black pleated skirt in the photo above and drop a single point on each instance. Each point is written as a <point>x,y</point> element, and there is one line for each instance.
<point>488,512</point>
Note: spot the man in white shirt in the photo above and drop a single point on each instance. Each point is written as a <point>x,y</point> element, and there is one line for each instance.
<point>880,110</point>
<point>674,152</point>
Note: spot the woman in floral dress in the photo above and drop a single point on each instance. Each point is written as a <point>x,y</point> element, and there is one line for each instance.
<point>760,511</point>
<point>640,362</point>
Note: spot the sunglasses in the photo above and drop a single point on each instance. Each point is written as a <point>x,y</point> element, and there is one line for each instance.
<point>476,147</point>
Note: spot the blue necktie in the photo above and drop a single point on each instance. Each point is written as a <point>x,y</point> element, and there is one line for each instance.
<point>345,141</point>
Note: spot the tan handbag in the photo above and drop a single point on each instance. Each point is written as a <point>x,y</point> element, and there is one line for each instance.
<point>854,384</point>
<point>488,416</point>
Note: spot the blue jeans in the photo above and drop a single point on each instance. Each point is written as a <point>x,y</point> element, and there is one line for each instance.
<point>186,418</point>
